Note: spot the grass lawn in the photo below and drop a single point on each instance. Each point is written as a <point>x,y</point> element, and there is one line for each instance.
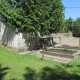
<point>29,67</point>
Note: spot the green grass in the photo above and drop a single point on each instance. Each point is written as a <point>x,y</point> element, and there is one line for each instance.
<point>29,67</point>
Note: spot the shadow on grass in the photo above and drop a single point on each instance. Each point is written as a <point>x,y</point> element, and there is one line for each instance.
<point>48,73</point>
<point>3,72</point>
<point>30,74</point>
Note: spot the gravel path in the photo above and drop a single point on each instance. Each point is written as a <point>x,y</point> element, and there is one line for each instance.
<point>68,41</point>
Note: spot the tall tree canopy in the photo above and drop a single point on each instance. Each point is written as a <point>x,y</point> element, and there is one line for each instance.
<point>44,16</point>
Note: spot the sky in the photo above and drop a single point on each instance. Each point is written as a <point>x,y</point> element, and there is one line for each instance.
<point>72,8</point>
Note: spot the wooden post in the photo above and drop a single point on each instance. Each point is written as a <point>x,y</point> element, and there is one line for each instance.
<point>43,52</point>
<point>53,42</point>
<point>79,43</point>
<point>60,39</point>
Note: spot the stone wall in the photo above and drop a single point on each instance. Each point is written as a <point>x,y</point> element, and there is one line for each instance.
<point>9,37</point>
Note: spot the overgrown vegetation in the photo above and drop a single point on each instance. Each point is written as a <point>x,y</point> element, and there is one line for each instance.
<point>44,16</point>
<point>29,67</point>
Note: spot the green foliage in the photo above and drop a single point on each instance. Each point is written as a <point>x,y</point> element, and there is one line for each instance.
<point>44,16</point>
<point>72,25</point>
<point>69,24</point>
<point>76,29</point>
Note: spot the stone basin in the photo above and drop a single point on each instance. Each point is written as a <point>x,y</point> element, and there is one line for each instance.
<point>62,52</point>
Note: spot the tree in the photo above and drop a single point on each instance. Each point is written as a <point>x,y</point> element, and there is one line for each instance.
<point>44,16</point>
<point>69,24</point>
<point>76,29</point>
